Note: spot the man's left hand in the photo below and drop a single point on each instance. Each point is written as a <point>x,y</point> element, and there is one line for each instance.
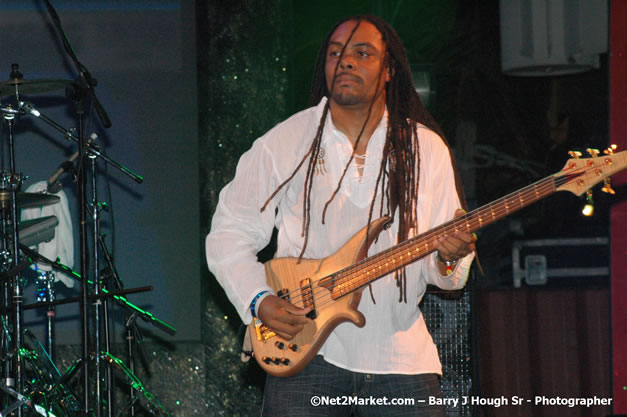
<point>454,247</point>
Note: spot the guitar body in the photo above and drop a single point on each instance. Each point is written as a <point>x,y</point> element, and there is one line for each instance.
<point>281,357</point>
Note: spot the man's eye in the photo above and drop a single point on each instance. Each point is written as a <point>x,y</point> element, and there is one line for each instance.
<point>334,53</point>
<point>363,53</point>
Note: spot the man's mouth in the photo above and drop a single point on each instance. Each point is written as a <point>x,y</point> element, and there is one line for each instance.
<point>347,78</point>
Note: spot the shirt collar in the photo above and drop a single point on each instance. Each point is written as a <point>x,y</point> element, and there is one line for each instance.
<point>383,123</point>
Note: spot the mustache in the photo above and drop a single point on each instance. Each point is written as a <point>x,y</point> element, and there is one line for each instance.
<point>346,76</point>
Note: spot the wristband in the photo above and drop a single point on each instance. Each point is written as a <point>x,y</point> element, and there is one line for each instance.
<point>253,303</point>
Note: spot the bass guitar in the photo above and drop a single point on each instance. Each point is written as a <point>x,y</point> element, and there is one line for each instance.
<point>332,286</point>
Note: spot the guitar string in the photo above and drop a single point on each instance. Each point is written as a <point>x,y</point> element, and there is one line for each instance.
<point>508,204</point>
<point>358,276</point>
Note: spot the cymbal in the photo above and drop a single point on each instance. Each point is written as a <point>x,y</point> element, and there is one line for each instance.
<point>27,200</point>
<point>31,86</point>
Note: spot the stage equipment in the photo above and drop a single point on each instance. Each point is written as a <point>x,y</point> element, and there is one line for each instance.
<point>31,381</point>
<point>552,37</point>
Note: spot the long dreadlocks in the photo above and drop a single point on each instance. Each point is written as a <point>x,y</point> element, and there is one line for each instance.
<point>398,174</point>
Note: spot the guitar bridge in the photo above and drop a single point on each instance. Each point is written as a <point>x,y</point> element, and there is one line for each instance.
<point>308,301</point>
<point>262,331</point>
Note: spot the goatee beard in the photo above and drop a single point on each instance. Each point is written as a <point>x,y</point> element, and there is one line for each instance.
<point>346,99</point>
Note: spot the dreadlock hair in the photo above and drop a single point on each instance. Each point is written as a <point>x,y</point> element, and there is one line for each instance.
<point>398,174</point>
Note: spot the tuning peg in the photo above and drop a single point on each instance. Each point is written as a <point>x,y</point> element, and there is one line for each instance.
<point>607,186</point>
<point>610,150</point>
<point>574,154</point>
<point>593,152</point>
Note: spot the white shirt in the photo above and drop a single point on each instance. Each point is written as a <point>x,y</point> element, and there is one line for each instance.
<point>395,338</point>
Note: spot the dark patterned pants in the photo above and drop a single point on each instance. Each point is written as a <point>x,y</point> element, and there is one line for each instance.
<point>324,390</point>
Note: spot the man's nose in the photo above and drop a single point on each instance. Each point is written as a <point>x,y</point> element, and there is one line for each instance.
<point>347,62</point>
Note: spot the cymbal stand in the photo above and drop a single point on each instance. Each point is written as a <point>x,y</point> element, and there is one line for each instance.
<point>15,380</point>
<point>90,151</point>
<point>101,316</point>
<point>84,251</point>
<point>119,299</point>
<point>133,334</point>
<point>84,89</point>
<point>28,108</point>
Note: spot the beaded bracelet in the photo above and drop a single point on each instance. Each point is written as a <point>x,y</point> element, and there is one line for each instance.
<point>448,264</point>
<point>253,303</point>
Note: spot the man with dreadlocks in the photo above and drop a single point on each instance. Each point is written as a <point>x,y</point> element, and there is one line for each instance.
<point>367,148</point>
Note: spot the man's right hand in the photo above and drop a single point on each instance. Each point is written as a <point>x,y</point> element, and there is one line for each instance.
<point>282,317</point>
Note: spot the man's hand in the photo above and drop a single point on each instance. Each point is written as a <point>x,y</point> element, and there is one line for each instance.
<point>456,246</point>
<point>282,317</point>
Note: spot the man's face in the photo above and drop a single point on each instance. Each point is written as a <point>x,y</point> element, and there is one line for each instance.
<point>360,65</point>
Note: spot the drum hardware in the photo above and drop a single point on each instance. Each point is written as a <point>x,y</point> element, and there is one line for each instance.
<point>134,313</point>
<point>33,232</point>
<point>45,294</point>
<point>82,94</point>
<point>16,84</point>
<point>19,86</point>
<point>11,112</point>
<point>29,200</point>
<point>117,296</point>
<point>35,365</point>
<point>45,380</point>
<point>90,149</point>
<point>45,392</point>
<point>12,287</point>
<point>135,383</point>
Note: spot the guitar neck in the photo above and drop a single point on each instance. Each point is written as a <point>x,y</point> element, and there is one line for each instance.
<point>396,257</point>
<point>577,176</point>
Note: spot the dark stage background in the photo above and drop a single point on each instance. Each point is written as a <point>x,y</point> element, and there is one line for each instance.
<point>189,86</point>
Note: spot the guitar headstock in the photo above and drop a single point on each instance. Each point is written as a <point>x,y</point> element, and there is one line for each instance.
<point>580,174</point>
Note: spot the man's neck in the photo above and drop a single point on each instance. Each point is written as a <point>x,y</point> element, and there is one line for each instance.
<point>350,120</point>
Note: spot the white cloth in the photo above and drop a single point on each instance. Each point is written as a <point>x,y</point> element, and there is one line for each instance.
<point>62,245</point>
<point>395,338</point>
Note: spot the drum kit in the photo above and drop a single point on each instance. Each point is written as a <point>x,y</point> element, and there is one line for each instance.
<point>31,383</point>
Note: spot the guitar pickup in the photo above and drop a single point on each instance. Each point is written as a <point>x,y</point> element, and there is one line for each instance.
<point>306,293</point>
<point>284,293</point>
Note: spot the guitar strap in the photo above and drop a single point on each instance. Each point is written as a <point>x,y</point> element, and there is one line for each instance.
<point>247,346</point>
